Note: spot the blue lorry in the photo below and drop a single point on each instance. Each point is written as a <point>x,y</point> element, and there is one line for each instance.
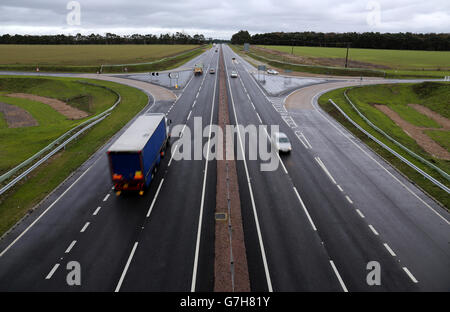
<point>136,154</point>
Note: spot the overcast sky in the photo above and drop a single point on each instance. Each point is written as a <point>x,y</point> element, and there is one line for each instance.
<point>220,19</point>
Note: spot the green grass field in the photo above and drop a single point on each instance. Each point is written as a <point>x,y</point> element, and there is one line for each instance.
<point>19,144</point>
<point>278,62</point>
<point>89,58</point>
<point>15,203</point>
<point>432,95</point>
<point>317,65</point>
<point>395,59</point>
<point>81,55</point>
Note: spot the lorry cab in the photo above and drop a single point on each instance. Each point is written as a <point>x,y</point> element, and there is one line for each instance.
<point>198,69</point>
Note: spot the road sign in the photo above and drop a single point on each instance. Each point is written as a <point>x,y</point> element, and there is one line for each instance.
<point>173,75</point>
<point>246,47</point>
<point>263,69</point>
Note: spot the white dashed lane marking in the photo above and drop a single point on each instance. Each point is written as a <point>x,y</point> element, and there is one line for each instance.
<point>360,213</point>
<point>85,227</point>
<point>344,288</point>
<point>96,211</point>
<point>70,246</point>
<point>50,274</point>
<point>410,275</point>
<point>349,199</point>
<point>373,229</point>
<point>390,250</point>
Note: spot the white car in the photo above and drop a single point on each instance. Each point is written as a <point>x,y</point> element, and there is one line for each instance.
<point>233,74</point>
<point>281,142</point>
<point>272,72</point>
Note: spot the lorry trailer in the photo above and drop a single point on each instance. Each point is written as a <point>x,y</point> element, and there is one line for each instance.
<point>136,154</point>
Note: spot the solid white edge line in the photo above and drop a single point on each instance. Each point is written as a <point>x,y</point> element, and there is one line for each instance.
<point>255,214</point>
<point>324,168</point>
<point>410,275</point>
<point>53,270</point>
<point>70,246</point>
<point>373,229</point>
<point>304,209</point>
<point>390,250</point>
<point>119,284</point>
<point>42,214</point>
<point>154,198</point>
<point>338,276</point>
<point>171,157</point>
<point>200,221</point>
<point>259,118</point>
<point>85,227</point>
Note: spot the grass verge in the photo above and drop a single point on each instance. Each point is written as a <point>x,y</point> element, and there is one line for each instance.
<point>15,203</point>
<point>19,144</point>
<point>383,122</point>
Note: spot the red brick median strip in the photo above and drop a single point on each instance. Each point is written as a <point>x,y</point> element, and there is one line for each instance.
<point>230,263</point>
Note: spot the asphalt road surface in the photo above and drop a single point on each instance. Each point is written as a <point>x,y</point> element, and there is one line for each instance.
<point>117,245</point>
<point>314,224</point>
<point>334,207</point>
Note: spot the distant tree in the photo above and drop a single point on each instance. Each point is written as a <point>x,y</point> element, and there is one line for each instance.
<point>370,40</point>
<point>240,37</point>
<point>108,38</point>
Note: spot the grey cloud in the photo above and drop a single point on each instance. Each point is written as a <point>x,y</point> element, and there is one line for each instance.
<point>221,19</point>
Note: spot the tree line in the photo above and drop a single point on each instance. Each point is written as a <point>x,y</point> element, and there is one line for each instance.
<point>109,38</point>
<point>366,40</point>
